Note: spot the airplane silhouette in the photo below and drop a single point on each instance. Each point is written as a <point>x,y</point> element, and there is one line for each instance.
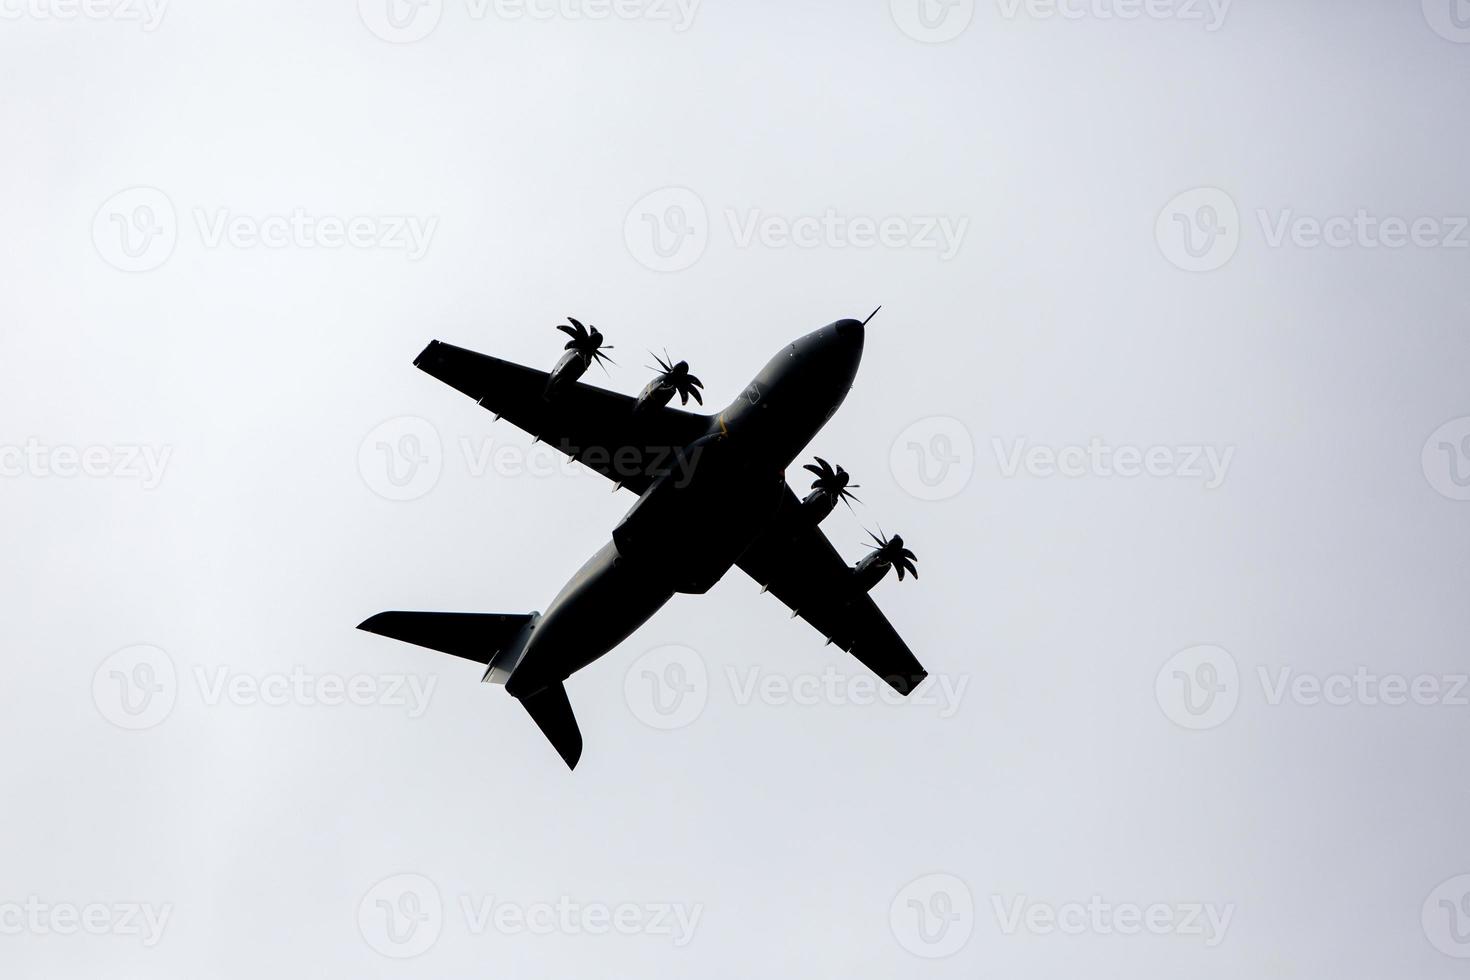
<point>712,494</point>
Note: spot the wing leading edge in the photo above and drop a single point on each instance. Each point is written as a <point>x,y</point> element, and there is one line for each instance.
<point>593,426</point>
<point>799,566</point>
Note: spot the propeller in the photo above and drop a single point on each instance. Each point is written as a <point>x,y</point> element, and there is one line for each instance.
<point>586,342</point>
<point>832,483</point>
<point>892,552</point>
<point>677,377</point>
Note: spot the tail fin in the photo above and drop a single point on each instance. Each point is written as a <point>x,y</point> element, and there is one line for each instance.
<point>496,640</point>
<point>492,639</point>
<point>552,713</point>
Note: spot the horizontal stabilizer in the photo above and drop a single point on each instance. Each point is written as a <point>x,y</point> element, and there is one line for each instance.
<point>473,636</point>
<point>552,713</point>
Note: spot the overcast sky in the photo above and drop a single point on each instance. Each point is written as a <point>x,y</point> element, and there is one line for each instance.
<point>1168,393</point>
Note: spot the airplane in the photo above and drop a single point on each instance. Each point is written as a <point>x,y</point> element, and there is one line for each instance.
<point>712,495</point>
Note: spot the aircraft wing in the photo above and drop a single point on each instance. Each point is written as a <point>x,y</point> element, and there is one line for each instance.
<point>799,566</point>
<point>592,425</point>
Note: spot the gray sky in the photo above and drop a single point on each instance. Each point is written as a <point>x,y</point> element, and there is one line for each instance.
<point>1168,393</point>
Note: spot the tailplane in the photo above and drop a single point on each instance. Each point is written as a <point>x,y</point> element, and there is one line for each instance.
<point>493,639</point>
<point>496,640</point>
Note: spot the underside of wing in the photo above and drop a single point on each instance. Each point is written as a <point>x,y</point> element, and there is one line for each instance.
<point>594,426</point>
<point>798,565</point>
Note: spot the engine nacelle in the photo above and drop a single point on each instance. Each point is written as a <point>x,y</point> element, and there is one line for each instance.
<point>868,572</point>
<point>815,507</point>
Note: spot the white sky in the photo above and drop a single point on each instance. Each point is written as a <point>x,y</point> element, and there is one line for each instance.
<point>529,154</point>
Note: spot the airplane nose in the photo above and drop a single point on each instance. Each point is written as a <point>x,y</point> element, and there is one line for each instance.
<point>849,330</point>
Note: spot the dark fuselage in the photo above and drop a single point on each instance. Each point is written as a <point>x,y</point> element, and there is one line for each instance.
<point>690,527</point>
